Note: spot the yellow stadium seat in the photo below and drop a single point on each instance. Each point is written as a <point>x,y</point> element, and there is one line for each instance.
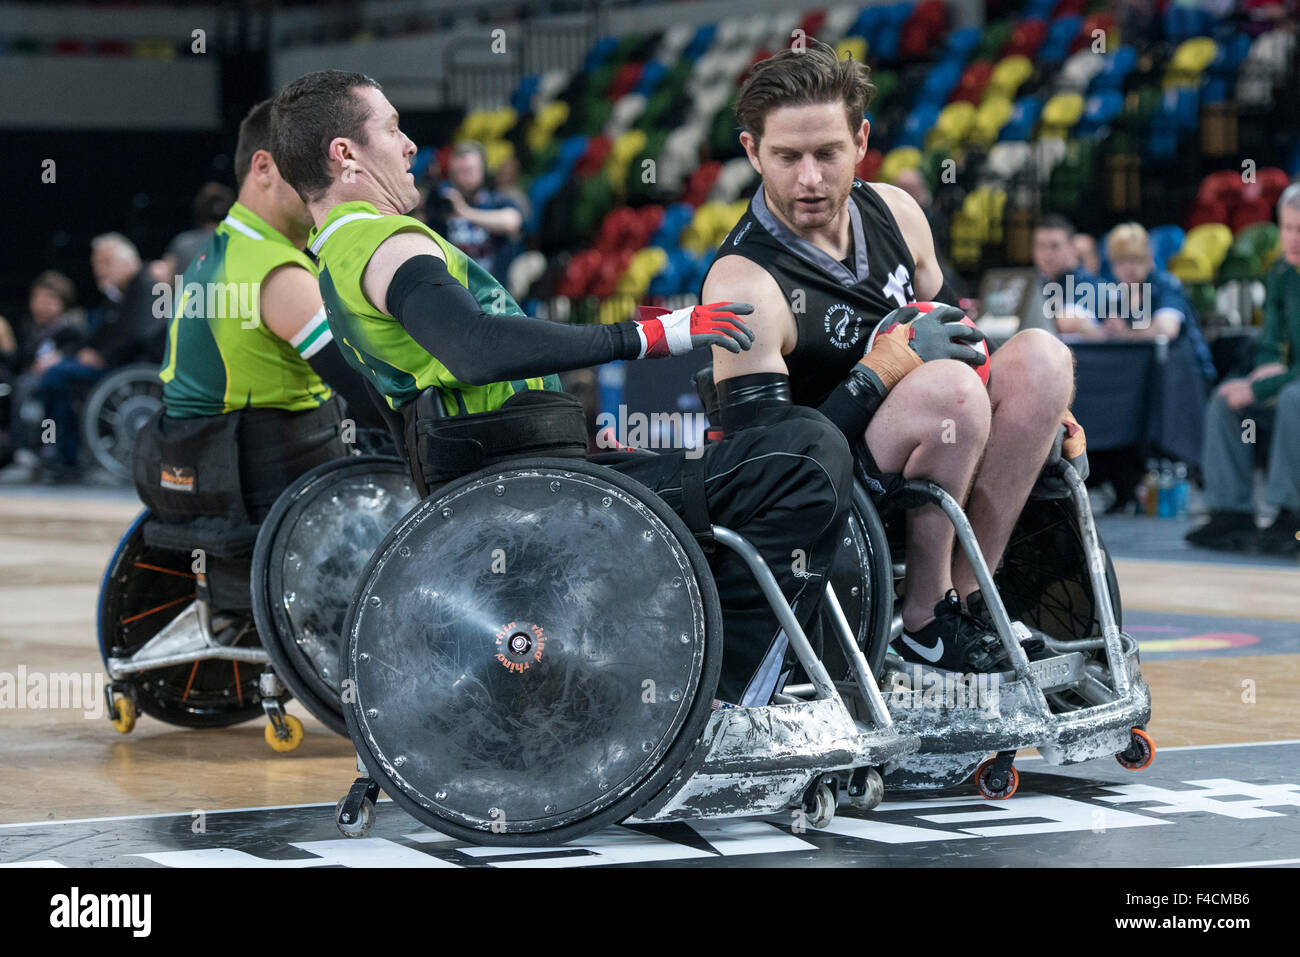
<point>852,46</point>
<point>1191,266</point>
<point>497,152</point>
<point>952,126</point>
<point>1210,240</point>
<point>547,121</point>
<point>1009,74</point>
<point>1194,55</point>
<point>1061,113</point>
<point>897,160</point>
<point>992,115</point>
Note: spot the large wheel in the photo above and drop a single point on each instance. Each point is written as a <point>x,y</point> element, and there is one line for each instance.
<point>310,553</point>
<point>115,412</point>
<point>1044,579</point>
<point>143,589</point>
<point>535,651</point>
<point>863,580</point>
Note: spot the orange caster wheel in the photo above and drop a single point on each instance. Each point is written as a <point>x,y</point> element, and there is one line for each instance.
<point>994,785</point>
<point>1139,754</point>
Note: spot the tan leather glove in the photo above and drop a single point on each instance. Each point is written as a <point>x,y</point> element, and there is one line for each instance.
<point>891,357</point>
<point>1076,443</point>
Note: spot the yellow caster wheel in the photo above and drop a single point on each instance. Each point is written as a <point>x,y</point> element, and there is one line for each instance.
<point>124,715</point>
<point>291,740</point>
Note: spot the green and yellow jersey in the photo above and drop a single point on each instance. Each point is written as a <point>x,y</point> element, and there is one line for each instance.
<point>220,356</point>
<point>376,344</point>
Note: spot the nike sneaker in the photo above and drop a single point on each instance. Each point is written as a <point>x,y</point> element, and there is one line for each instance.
<point>1034,645</point>
<point>954,641</point>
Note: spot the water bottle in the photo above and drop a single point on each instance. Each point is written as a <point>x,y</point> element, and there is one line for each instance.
<point>1165,497</point>
<point>1182,490</point>
<point>1151,488</point>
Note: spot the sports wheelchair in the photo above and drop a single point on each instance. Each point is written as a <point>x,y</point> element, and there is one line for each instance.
<point>115,411</point>
<point>498,698</point>
<point>178,623</point>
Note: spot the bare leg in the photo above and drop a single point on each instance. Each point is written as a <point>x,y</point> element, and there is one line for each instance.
<point>1030,388</point>
<point>932,425</point>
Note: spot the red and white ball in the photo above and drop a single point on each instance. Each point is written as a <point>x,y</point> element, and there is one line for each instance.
<point>982,369</point>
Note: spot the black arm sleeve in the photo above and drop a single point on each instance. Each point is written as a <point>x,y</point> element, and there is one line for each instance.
<point>329,364</point>
<point>854,401</point>
<point>477,348</point>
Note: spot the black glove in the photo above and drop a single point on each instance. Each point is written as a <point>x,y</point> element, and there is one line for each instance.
<point>940,333</point>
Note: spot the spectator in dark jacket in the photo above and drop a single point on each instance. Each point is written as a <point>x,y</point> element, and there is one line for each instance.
<point>485,224</point>
<point>51,328</point>
<point>121,332</point>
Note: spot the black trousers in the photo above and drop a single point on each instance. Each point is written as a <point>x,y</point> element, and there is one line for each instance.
<point>785,484</point>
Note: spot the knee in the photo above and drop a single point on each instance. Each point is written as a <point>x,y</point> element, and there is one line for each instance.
<point>1288,401</point>
<point>955,394</point>
<point>826,456</point>
<point>1038,366</point>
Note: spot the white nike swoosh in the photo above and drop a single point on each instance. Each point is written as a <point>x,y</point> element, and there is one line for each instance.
<point>929,654</point>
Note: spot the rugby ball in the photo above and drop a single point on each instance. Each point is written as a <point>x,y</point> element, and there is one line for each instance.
<point>982,369</point>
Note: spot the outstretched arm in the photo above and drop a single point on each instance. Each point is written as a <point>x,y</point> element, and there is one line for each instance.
<point>407,279</point>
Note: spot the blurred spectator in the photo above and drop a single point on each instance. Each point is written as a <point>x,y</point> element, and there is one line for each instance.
<point>27,351</point>
<point>1085,248</point>
<point>1058,299</point>
<point>482,222</point>
<point>912,182</point>
<point>1270,398</point>
<point>211,204</point>
<point>119,334</point>
<point>1145,302</point>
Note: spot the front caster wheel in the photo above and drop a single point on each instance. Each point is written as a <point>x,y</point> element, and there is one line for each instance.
<point>287,738</point>
<point>124,715</point>
<point>365,820</point>
<point>994,785</point>
<point>1139,754</point>
<point>872,791</point>
<point>819,806</point>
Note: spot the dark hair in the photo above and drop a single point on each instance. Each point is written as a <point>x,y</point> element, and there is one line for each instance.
<point>1056,221</point>
<point>254,135</point>
<point>59,284</point>
<point>802,77</point>
<point>306,115</point>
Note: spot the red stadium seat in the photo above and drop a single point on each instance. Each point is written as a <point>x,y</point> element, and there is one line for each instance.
<point>869,168</point>
<point>812,22</point>
<point>1026,38</point>
<point>700,182</point>
<point>593,158</point>
<point>973,81</point>
<point>625,80</point>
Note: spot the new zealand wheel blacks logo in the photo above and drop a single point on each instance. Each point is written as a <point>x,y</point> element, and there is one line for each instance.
<point>519,645</point>
<point>842,325</point>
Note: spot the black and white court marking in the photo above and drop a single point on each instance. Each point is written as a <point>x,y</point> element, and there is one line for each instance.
<point>1234,805</point>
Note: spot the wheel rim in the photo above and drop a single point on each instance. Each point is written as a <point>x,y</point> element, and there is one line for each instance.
<point>310,554</point>
<point>555,691</point>
<point>144,590</point>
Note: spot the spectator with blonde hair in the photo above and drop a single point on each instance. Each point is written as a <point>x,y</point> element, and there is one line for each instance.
<point>1143,302</point>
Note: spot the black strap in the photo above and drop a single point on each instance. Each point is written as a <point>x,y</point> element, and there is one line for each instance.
<point>695,505</point>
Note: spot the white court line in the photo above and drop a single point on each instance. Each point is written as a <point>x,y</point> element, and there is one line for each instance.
<point>1284,860</point>
<point>146,817</point>
<point>1192,747</point>
<point>290,807</point>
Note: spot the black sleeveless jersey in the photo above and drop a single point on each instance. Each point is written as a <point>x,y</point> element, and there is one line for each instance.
<point>835,307</point>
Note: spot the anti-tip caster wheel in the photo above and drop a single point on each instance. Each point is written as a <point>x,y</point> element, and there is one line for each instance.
<point>995,786</point>
<point>870,791</point>
<point>362,825</point>
<point>1139,754</point>
<point>286,739</point>
<point>820,806</point>
<point>124,715</point>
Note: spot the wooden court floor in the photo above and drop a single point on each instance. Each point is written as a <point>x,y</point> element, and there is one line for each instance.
<point>60,764</point>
